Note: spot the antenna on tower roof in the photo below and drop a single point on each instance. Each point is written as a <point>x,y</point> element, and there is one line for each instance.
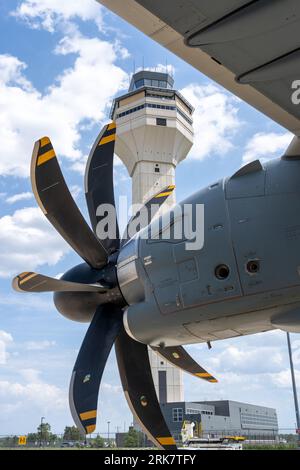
<point>143,63</point>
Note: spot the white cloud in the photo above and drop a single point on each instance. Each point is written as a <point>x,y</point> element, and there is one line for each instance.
<point>31,375</point>
<point>266,145</point>
<point>35,394</point>
<point>122,51</point>
<point>215,120</point>
<point>79,165</point>
<point>35,303</point>
<point>79,95</point>
<point>248,359</point>
<point>19,197</point>
<point>111,388</point>
<point>27,241</point>
<point>75,190</point>
<point>283,379</point>
<point>5,340</point>
<point>47,14</point>
<point>296,352</point>
<point>11,72</point>
<point>39,345</point>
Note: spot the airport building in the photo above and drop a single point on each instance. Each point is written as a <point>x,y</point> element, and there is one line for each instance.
<point>224,417</point>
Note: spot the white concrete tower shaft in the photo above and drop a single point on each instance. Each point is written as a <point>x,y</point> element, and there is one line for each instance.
<point>154,133</point>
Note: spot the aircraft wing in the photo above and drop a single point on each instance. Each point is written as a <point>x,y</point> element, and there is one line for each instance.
<point>252,48</point>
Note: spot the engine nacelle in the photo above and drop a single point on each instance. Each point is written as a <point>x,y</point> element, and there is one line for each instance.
<point>245,279</point>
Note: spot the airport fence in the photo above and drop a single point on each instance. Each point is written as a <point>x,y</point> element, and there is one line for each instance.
<point>283,438</point>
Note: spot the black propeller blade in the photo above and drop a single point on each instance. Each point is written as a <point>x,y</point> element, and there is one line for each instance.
<point>149,209</point>
<point>99,188</point>
<point>33,282</point>
<point>89,366</point>
<point>55,200</point>
<point>138,386</point>
<point>179,357</point>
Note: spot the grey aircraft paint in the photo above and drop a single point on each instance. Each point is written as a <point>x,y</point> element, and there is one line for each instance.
<point>252,226</point>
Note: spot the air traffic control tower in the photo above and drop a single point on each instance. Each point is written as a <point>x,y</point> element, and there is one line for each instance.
<point>154,133</point>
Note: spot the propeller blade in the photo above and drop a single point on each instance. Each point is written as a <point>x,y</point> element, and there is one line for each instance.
<point>55,200</point>
<point>99,187</point>
<point>179,357</point>
<point>138,386</point>
<point>89,366</point>
<point>34,282</point>
<point>150,207</point>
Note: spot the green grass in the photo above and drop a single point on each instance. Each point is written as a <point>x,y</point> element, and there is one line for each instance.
<point>270,447</point>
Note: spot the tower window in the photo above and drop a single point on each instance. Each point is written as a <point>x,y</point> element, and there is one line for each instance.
<point>139,83</point>
<point>161,122</point>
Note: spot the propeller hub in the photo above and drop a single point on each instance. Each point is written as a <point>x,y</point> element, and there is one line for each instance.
<point>81,306</point>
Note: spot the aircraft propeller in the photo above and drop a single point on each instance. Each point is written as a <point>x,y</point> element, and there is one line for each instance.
<point>94,284</point>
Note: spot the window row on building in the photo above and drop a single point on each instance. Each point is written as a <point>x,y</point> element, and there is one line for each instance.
<point>154,83</point>
<point>177,413</point>
<point>154,106</point>
<point>170,96</point>
<point>184,116</point>
<point>145,105</point>
<point>191,411</point>
<point>258,419</point>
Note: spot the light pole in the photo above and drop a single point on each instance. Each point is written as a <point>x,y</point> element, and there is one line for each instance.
<point>108,423</point>
<point>41,431</point>
<point>294,387</point>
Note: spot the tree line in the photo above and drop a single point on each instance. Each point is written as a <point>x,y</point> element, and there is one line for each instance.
<point>45,437</point>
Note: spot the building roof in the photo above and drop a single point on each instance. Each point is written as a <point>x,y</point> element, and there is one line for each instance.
<point>151,75</point>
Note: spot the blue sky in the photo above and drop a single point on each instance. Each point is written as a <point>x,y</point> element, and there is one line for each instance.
<point>61,64</point>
